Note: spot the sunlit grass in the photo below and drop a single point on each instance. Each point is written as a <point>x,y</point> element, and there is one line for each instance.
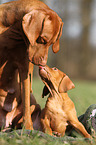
<point>83,95</point>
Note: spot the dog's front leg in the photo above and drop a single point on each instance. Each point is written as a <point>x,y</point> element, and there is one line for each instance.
<point>26,104</point>
<point>45,123</point>
<point>31,66</point>
<point>25,93</point>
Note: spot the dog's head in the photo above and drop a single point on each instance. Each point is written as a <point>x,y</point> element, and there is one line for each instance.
<point>54,79</point>
<point>42,27</point>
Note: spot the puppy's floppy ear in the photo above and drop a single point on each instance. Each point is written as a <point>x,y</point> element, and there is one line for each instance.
<point>32,25</point>
<point>45,91</point>
<point>65,85</point>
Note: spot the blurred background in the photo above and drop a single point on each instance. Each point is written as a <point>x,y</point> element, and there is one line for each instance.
<point>77,55</point>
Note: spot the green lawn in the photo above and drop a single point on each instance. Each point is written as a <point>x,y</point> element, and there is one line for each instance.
<point>83,96</point>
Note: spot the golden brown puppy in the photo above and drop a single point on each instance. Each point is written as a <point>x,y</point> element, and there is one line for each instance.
<point>59,111</point>
<point>27,29</point>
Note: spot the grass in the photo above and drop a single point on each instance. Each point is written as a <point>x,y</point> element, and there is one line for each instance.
<point>83,96</point>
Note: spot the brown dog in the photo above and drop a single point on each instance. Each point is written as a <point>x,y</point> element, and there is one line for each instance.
<point>27,29</point>
<point>59,110</point>
<point>11,105</point>
<point>9,93</point>
<point>35,111</point>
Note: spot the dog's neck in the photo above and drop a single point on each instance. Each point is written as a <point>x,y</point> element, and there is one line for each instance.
<point>53,90</point>
<point>56,94</point>
<point>17,10</point>
<point>56,99</point>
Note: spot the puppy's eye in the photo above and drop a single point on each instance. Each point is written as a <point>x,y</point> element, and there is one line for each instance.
<point>54,68</point>
<point>41,40</point>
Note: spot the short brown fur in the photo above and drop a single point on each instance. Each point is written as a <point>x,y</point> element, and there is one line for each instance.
<point>59,111</point>
<point>27,29</point>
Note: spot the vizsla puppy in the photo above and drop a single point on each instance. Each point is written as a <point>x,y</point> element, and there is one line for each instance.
<point>27,29</point>
<point>59,111</point>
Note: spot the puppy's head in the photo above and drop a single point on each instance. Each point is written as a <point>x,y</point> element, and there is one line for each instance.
<point>54,79</point>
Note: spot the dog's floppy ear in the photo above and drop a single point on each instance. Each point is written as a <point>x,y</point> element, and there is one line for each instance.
<point>32,25</point>
<point>65,85</point>
<point>55,46</point>
<point>45,91</point>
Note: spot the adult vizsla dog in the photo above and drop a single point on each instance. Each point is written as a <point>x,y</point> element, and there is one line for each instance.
<point>35,111</point>
<point>59,111</point>
<point>27,29</point>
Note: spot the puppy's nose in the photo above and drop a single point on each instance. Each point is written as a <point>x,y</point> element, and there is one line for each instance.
<point>40,67</point>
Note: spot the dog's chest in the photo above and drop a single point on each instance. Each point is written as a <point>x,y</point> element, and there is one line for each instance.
<point>55,111</point>
<point>55,106</point>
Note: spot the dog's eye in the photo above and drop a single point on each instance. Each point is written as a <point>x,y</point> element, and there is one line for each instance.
<point>41,40</point>
<point>54,68</point>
